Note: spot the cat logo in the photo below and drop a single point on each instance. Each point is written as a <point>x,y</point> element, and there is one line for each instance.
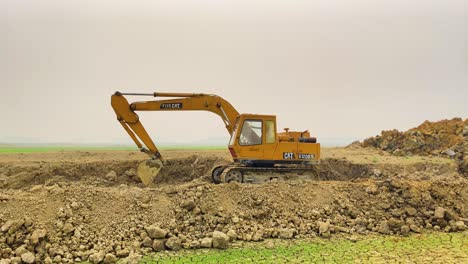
<point>288,155</point>
<point>171,106</point>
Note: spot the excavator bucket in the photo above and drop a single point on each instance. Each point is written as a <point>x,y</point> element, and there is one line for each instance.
<point>148,170</point>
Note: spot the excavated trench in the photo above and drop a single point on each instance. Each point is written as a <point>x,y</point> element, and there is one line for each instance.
<point>180,170</point>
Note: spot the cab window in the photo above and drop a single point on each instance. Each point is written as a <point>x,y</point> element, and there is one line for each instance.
<point>251,133</point>
<point>269,131</point>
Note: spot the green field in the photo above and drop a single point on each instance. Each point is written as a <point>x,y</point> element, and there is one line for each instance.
<point>426,248</point>
<point>40,149</point>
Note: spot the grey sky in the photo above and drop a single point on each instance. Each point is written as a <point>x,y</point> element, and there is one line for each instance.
<point>342,69</point>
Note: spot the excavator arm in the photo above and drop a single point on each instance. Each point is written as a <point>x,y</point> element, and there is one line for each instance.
<point>184,102</point>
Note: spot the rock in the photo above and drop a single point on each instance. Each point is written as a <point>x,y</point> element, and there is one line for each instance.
<point>173,243</point>
<point>74,205</point>
<point>384,228</point>
<point>57,259</point>
<point>28,221</point>
<point>220,240</point>
<point>385,205</point>
<point>111,176</point>
<point>130,173</point>
<point>450,215</point>
<point>158,245</point>
<point>415,228</point>
<point>286,233</point>
<point>398,152</point>
<point>15,225</point>
<point>449,153</point>
<point>28,257</point>
<point>55,189</point>
<point>410,211</point>
<point>232,235</point>
<point>15,260</point>
<point>133,258</point>
<point>460,226</point>
<point>194,244</point>
<point>5,261</point>
<point>439,213</point>
<point>68,228</point>
<point>122,253</point>
<point>377,173</point>
<point>21,250</point>
<point>404,230</point>
<point>258,236</point>
<point>206,242</point>
<point>97,257</point>
<point>37,235</point>
<point>48,260</point>
<point>5,227</point>
<point>372,189</point>
<point>155,232</point>
<point>324,228</point>
<point>196,211</point>
<point>270,244</point>
<point>110,259</point>
<point>36,188</point>
<point>147,242</point>
<point>188,204</point>
<point>395,224</point>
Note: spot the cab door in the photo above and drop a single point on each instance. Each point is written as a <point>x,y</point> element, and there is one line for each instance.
<point>269,132</point>
<point>250,139</point>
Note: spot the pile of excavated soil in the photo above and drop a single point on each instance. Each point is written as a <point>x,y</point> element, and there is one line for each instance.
<point>72,212</point>
<point>430,138</point>
<point>441,138</point>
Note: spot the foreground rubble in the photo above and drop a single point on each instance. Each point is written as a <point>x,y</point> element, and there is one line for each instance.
<point>80,213</point>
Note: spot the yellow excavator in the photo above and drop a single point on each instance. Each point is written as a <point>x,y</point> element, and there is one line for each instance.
<point>260,153</point>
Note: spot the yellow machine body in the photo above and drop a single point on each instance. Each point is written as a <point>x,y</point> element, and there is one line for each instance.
<point>255,141</point>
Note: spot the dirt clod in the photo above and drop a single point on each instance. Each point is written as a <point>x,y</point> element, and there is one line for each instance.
<point>173,243</point>
<point>155,232</point>
<point>28,257</point>
<point>220,240</point>
<point>206,242</point>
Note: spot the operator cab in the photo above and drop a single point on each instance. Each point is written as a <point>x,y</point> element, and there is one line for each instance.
<point>255,142</point>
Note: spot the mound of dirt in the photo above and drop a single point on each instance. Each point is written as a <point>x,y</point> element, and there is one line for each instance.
<point>430,138</point>
<point>441,138</point>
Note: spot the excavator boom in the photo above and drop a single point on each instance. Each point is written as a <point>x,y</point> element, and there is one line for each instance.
<point>130,121</point>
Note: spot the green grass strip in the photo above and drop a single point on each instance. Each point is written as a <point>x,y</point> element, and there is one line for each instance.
<point>426,248</point>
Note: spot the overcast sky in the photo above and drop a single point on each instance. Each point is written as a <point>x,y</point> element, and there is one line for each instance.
<point>342,69</point>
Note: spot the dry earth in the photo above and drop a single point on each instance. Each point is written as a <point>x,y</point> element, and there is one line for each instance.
<point>88,206</point>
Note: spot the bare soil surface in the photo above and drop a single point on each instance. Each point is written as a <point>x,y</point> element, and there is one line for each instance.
<point>88,206</point>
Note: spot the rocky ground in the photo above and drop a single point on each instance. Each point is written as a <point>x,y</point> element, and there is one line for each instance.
<point>89,206</point>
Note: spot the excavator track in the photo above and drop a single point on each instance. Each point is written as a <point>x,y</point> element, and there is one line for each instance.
<point>245,174</point>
